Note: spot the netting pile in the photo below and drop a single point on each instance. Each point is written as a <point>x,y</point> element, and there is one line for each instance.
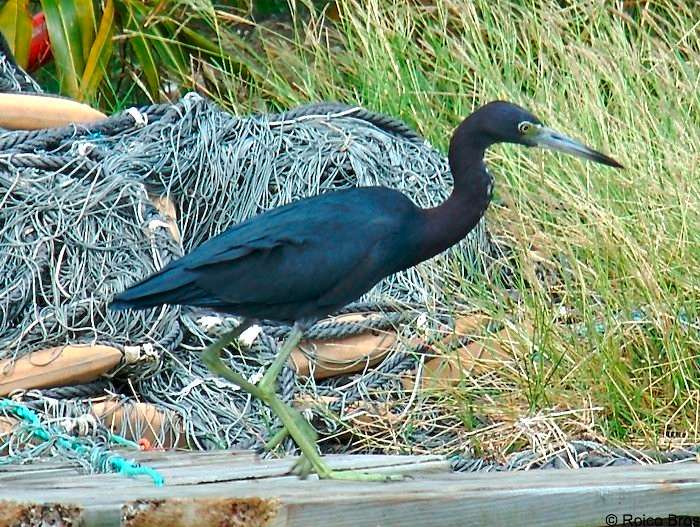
<point>85,212</point>
<point>88,211</point>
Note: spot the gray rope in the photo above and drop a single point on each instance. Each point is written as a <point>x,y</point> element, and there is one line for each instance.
<point>381,121</point>
<point>76,391</point>
<point>339,329</point>
<point>586,454</point>
<point>373,381</point>
<point>288,388</point>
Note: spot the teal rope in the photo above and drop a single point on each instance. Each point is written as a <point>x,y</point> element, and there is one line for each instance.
<point>98,457</point>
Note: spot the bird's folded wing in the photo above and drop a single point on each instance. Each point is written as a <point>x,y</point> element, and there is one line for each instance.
<point>284,269</point>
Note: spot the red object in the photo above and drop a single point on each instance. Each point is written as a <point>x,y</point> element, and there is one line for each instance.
<point>145,444</point>
<point>40,46</point>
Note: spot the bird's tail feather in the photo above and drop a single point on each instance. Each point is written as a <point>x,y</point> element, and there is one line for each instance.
<point>170,286</point>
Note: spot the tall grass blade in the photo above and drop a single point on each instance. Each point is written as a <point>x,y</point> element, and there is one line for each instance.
<point>100,53</point>
<point>67,23</point>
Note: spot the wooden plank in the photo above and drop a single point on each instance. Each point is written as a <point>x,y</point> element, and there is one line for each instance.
<point>218,485</point>
<point>217,468</point>
<point>250,512</point>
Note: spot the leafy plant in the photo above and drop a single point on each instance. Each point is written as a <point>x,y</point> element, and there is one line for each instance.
<point>102,49</point>
<point>16,26</point>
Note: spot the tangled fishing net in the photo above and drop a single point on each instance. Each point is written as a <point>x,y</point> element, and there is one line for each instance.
<point>86,211</point>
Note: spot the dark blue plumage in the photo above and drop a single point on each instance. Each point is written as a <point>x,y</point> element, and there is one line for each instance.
<point>283,265</point>
<point>309,258</point>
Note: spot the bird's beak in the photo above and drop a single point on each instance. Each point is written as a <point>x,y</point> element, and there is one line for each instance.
<point>548,138</point>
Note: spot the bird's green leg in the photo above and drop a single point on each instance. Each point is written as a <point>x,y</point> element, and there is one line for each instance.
<point>276,439</point>
<point>293,422</point>
<point>269,380</point>
<point>305,437</point>
<point>211,356</point>
<point>296,426</point>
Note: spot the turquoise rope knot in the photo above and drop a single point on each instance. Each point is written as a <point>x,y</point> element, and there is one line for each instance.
<point>98,457</point>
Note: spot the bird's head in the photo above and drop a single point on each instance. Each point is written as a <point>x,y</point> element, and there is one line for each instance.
<point>504,122</point>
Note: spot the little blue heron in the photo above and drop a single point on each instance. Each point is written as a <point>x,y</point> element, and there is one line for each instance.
<point>300,262</point>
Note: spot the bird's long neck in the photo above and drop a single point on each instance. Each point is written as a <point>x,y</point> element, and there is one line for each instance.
<point>451,221</point>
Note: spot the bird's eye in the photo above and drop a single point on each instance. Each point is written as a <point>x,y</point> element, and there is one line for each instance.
<point>524,127</point>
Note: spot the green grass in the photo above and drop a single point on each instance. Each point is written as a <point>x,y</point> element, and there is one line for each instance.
<point>607,262</point>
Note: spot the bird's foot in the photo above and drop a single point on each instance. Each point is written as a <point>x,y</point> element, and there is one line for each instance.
<point>356,475</point>
<point>311,461</point>
<point>303,467</point>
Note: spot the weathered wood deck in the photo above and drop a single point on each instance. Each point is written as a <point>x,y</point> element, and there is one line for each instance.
<point>238,489</point>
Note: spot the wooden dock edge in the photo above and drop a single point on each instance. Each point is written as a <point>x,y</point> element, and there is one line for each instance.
<point>14,514</point>
<point>253,512</point>
<point>237,490</point>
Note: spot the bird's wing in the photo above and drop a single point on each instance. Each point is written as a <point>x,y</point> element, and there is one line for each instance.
<point>325,250</point>
<point>287,257</point>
